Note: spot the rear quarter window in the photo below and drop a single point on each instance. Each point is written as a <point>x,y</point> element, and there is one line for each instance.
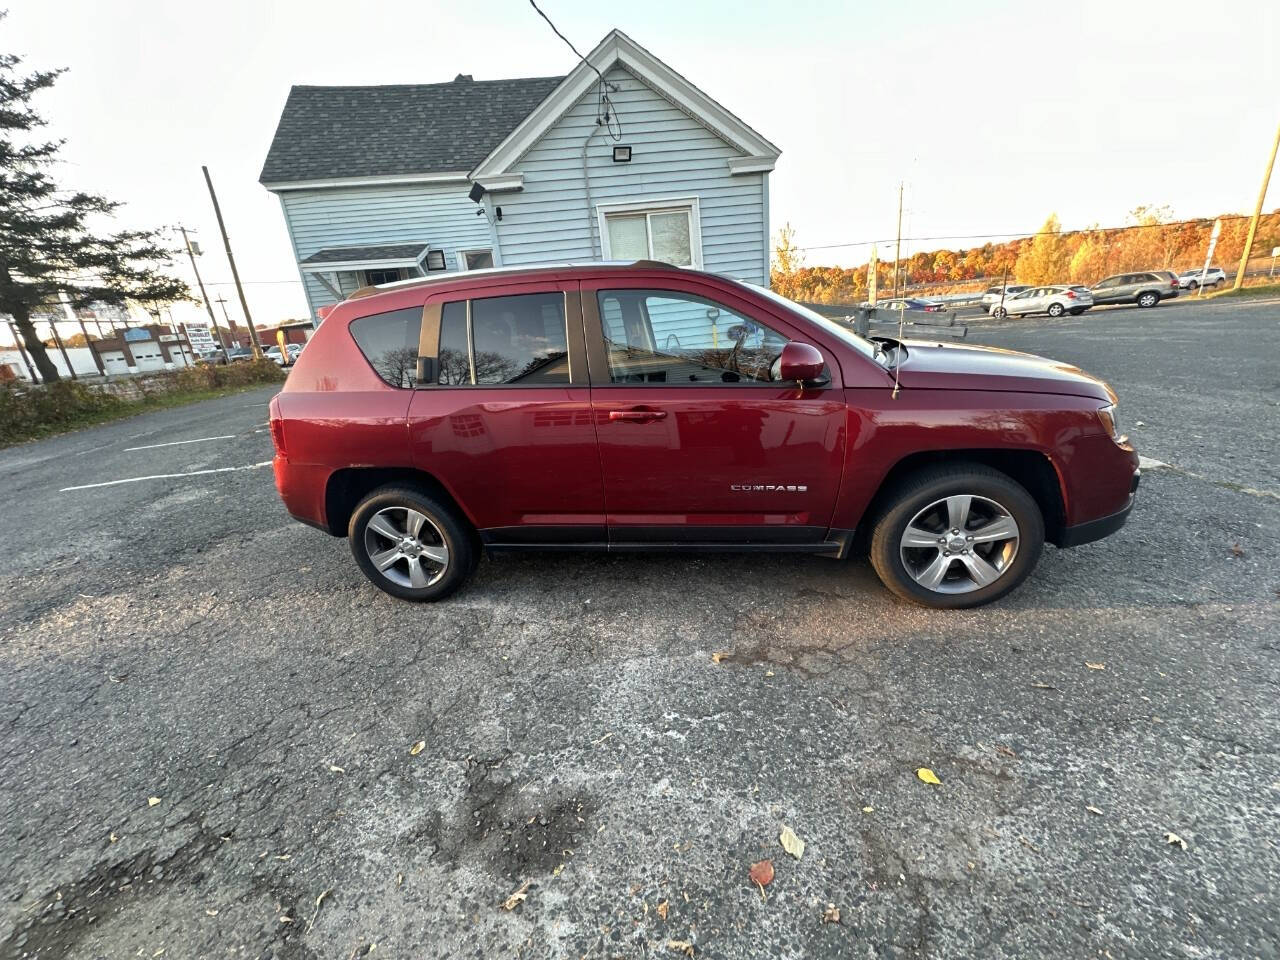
<point>389,341</point>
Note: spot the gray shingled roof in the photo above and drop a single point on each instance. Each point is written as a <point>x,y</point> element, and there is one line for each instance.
<point>332,132</point>
<point>386,251</point>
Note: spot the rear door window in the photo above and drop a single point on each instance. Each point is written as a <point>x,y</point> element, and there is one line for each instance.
<point>389,341</point>
<point>519,340</point>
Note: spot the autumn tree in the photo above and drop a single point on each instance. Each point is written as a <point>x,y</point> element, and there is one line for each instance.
<point>1045,259</point>
<point>50,242</point>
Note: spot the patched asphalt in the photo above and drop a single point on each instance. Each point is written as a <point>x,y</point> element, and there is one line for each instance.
<point>182,639</point>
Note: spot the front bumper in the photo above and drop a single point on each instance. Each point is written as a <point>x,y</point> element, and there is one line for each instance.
<point>1093,530</point>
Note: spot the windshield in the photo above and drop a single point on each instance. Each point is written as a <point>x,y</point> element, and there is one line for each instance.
<point>836,329</point>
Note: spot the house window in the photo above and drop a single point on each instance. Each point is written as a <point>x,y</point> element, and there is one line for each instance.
<point>665,230</point>
<point>435,260</point>
<point>475,259</point>
<point>375,277</point>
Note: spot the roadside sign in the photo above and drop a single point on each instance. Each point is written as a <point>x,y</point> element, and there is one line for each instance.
<point>199,337</point>
<point>135,334</point>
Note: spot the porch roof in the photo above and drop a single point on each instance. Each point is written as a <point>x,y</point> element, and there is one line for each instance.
<point>378,257</point>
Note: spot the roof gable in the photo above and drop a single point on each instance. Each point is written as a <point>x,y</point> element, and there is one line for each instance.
<point>397,130</point>
<point>759,153</point>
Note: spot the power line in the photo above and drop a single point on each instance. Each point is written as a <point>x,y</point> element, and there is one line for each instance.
<point>1018,234</point>
<point>606,116</point>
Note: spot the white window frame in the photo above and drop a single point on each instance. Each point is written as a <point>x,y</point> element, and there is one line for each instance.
<point>462,257</point>
<point>687,205</point>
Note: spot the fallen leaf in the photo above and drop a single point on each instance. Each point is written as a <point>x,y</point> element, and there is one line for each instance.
<point>285,856</point>
<point>152,801</point>
<point>683,946</point>
<point>761,875</point>
<point>868,809</point>
<point>1237,550</point>
<point>1044,686</point>
<point>790,842</point>
<point>417,748</point>
<point>1008,752</point>
<point>399,879</point>
<point>211,913</point>
<point>719,655</point>
<point>662,909</point>
<point>112,838</point>
<point>1174,840</point>
<point>768,673</point>
<point>831,914</point>
<point>335,769</point>
<point>1094,810</point>
<point>1095,666</point>
<point>928,776</point>
<point>518,897</point>
<point>286,919</point>
<point>558,870</point>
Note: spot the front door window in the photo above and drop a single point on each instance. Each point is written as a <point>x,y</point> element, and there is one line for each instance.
<point>680,339</point>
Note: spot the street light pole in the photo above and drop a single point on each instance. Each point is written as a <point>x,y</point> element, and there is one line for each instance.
<point>235,274</point>
<point>204,296</point>
<point>1257,214</point>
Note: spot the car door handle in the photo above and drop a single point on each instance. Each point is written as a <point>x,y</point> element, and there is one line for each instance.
<point>637,416</point>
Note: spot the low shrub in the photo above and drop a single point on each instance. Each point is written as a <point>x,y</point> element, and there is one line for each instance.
<point>28,411</point>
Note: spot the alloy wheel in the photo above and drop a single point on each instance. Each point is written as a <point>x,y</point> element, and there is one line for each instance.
<point>406,547</point>
<point>959,544</point>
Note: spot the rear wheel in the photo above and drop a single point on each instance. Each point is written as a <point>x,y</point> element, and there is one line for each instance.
<point>1148,299</point>
<point>957,536</point>
<point>1056,310</point>
<point>410,545</point>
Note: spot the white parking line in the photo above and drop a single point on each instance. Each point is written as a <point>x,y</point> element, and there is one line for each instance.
<point>165,476</point>
<point>174,443</point>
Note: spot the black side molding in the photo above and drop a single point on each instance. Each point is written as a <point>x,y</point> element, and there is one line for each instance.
<point>1083,533</point>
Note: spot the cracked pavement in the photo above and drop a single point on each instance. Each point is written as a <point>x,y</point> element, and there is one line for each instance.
<point>182,639</point>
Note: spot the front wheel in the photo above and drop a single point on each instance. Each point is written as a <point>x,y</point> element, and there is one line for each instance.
<point>999,312</point>
<point>1193,286</point>
<point>1148,299</point>
<point>1055,310</point>
<point>409,545</point>
<point>957,536</point>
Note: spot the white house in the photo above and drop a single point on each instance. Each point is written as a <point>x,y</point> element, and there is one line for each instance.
<point>378,183</point>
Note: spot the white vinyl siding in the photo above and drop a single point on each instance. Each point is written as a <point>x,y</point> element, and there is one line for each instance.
<point>672,156</point>
<point>437,214</point>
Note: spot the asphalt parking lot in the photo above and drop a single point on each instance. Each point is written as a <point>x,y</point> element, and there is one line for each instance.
<point>178,639</point>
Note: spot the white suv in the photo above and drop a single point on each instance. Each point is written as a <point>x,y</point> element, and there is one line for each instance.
<point>1214,277</point>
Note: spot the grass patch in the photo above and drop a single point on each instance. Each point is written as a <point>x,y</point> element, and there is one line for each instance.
<point>30,412</point>
<point>1260,290</point>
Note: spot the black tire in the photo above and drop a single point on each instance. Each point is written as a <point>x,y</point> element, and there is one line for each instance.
<point>1076,311</point>
<point>443,527</point>
<point>1056,310</point>
<point>916,492</point>
<point>999,312</point>
<point>1217,283</point>
<point>1148,298</point>
<point>1193,286</point>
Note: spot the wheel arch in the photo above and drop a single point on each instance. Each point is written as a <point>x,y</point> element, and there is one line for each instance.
<point>345,489</point>
<point>1030,468</point>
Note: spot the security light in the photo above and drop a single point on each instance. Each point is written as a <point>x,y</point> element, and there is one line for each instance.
<point>621,154</point>
<point>477,191</point>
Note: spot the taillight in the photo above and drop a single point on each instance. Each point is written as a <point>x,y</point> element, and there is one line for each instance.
<point>277,427</point>
<point>1070,295</point>
<point>1174,284</point>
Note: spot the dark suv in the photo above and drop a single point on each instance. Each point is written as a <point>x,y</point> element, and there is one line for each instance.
<point>650,408</point>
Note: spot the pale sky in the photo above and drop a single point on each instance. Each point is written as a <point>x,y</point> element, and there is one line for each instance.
<point>994,114</point>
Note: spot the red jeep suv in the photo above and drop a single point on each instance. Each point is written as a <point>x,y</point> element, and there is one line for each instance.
<point>645,407</point>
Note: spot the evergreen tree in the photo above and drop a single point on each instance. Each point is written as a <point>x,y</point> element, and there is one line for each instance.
<point>48,241</point>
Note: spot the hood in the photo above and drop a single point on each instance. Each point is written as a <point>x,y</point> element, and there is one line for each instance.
<point>953,366</point>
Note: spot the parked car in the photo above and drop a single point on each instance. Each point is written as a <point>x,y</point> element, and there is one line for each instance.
<point>643,407</point>
<point>1191,279</point>
<point>992,295</point>
<point>1145,289</point>
<point>909,304</point>
<point>1055,301</point>
<point>291,351</point>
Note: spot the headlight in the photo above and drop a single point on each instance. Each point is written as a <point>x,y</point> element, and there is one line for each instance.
<point>1111,422</point>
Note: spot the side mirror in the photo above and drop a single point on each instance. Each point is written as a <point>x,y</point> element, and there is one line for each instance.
<point>801,362</point>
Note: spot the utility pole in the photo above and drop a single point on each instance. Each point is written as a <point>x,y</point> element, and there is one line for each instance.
<point>1257,213</point>
<point>897,250</point>
<point>222,302</point>
<point>213,321</point>
<point>235,274</point>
